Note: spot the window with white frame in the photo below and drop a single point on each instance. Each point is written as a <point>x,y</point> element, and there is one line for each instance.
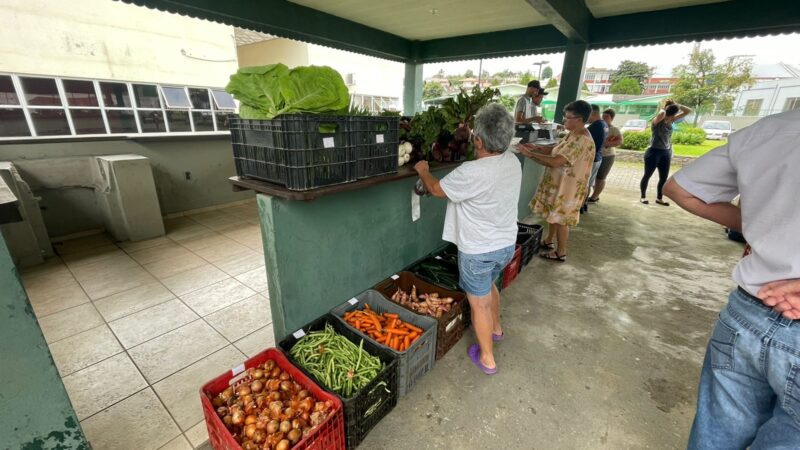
<point>12,116</point>
<point>48,106</point>
<point>791,103</point>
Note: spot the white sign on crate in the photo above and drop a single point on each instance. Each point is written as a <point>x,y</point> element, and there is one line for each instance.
<point>328,142</point>
<point>237,370</point>
<point>353,301</point>
<point>379,139</point>
<point>299,333</point>
<point>395,277</point>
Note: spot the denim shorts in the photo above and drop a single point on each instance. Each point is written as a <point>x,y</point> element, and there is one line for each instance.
<point>478,272</point>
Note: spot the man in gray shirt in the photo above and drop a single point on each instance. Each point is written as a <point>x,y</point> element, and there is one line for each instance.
<point>527,109</point>
<point>749,393</point>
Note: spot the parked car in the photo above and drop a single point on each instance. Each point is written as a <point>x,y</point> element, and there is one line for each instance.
<point>634,125</point>
<point>717,129</point>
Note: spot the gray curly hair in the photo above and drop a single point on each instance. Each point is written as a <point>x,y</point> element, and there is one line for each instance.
<point>495,126</point>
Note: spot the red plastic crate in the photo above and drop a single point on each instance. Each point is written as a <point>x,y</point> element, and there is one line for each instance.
<point>328,435</point>
<point>512,269</point>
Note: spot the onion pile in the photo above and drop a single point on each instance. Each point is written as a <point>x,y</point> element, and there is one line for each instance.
<point>270,411</point>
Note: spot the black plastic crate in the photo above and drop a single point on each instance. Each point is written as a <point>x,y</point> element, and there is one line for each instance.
<point>525,241</point>
<point>420,356</point>
<point>374,401</point>
<point>422,267</point>
<point>376,140</point>
<point>300,151</point>
<point>536,230</point>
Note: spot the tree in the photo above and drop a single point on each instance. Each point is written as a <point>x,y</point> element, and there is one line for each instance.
<point>509,102</point>
<point>627,86</point>
<point>547,73</point>
<point>702,83</point>
<point>551,84</point>
<point>496,81</point>
<point>469,74</point>
<point>485,75</point>
<point>639,71</point>
<point>440,73</point>
<point>432,90</point>
<point>526,77</point>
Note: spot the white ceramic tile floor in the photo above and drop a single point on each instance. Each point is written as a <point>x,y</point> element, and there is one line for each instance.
<point>136,328</point>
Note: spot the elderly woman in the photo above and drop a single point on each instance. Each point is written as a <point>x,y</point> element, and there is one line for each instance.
<point>481,220</point>
<point>565,183</point>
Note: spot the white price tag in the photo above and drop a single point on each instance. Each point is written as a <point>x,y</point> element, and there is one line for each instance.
<point>379,139</point>
<point>452,323</point>
<point>415,207</point>
<point>395,277</point>
<point>299,333</point>
<point>237,370</point>
<point>437,257</point>
<point>328,142</point>
<point>353,301</point>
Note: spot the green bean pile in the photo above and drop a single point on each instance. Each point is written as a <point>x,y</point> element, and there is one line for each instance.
<point>335,361</point>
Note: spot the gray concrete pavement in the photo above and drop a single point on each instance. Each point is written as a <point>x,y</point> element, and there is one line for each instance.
<point>603,351</point>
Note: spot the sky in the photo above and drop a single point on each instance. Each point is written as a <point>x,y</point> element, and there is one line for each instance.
<point>765,50</point>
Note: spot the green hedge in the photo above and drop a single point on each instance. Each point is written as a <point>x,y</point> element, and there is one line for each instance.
<point>639,140</point>
<point>635,140</point>
<point>689,136</point>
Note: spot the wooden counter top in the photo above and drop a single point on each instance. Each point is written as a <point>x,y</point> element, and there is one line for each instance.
<point>276,190</point>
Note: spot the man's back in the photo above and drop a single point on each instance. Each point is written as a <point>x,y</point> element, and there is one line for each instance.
<point>762,163</point>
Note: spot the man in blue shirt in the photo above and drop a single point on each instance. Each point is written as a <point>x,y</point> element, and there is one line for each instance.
<point>598,128</point>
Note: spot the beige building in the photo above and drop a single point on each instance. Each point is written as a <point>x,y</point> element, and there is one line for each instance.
<point>102,39</point>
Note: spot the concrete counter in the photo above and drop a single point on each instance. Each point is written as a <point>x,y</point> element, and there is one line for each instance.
<point>321,253</point>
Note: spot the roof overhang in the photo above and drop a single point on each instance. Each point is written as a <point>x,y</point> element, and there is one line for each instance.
<point>570,22</point>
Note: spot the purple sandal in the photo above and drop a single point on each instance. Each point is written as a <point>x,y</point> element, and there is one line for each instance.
<point>474,352</point>
<point>498,337</point>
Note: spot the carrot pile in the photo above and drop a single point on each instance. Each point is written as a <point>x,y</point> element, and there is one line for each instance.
<point>385,328</point>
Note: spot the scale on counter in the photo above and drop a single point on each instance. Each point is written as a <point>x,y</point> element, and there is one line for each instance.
<point>537,133</point>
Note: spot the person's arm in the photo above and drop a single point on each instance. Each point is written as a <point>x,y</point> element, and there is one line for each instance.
<point>723,213</point>
<point>614,141</point>
<point>521,117</point>
<point>684,111</point>
<point>659,117</point>
<point>432,184</point>
<point>549,160</point>
<point>533,148</point>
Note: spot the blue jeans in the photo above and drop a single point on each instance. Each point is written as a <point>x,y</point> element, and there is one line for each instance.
<point>750,384</point>
<point>478,272</point>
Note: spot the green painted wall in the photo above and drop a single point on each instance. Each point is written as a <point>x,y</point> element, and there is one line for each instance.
<point>35,412</point>
<point>321,253</point>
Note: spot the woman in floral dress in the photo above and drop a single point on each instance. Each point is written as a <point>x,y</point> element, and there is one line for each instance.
<point>565,182</point>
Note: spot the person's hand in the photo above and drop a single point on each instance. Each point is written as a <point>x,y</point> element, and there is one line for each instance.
<point>782,296</point>
<point>526,149</point>
<point>422,166</point>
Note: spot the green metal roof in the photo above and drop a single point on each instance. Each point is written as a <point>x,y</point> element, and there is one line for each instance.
<point>564,22</point>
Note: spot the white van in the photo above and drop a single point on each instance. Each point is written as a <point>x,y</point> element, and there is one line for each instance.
<point>717,129</point>
<point>634,125</point>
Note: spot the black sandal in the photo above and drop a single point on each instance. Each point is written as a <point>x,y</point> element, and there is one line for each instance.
<point>549,246</point>
<point>662,202</point>
<point>553,256</point>
<point>644,201</point>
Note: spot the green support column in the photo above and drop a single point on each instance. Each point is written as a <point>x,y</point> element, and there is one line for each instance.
<point>36,412</point>
<point>412,89</point>
<point>571,77</point>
